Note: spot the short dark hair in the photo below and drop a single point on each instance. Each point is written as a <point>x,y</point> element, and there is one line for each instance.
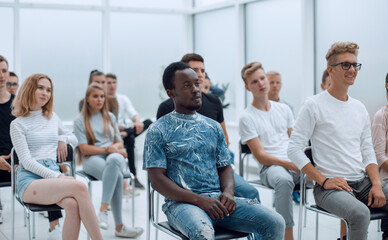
<point>324,76</point>
<point>111,75</point>
<point>93,73</point>
<point>3,59</point>
<point>207,76</point>
<point>192,57</point>
<point>169,74</point>
<point>12,74</point>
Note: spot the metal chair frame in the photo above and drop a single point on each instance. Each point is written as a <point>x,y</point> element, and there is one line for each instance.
<point>220,233</point>
<point>376,214</point>
<point>32,208</point>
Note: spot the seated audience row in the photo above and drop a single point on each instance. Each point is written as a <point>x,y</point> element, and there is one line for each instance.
<point>186,151</point>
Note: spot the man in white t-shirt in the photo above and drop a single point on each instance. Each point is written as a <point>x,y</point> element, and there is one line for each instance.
<point>129,123</point>
<point>346,172</point>
<point>265,126</point>
<point>275,85</point>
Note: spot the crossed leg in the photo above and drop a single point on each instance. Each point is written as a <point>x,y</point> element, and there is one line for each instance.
<point>71,195</point>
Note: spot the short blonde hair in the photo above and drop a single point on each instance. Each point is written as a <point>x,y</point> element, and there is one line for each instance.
<point>249,69</point>
<point>338,48</point>
<point>273,73</point>
<point>25,99</point>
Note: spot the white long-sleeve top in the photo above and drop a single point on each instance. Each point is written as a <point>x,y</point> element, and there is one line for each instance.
<point>35,137</point>
<point>380,138</point>
<point>340,137</point>
<point>126,111</point>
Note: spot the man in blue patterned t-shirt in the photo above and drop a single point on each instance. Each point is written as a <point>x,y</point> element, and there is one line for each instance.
<point>187,161</point>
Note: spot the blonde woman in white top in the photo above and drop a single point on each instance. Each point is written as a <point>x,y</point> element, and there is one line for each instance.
<point>38,137</point>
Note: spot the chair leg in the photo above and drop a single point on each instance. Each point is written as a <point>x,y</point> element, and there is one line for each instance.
<point>148,233</point>
<point>316,226</point>
<point>133,201</point>
<point>379,225</point>
<point>25,219</point>
<point>157,214</point>
<point>90,194</point>
<point>33,225</point>
<point>28,224</point>
<point>13,217</point>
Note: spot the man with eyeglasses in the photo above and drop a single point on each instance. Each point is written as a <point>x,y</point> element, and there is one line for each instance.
<point>346,172</point>
<point>12,83</point>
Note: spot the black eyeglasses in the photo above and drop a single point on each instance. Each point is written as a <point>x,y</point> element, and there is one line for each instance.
<point>12,84</point>
<point>346,65</point>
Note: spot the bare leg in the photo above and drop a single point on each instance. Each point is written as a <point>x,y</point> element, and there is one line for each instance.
<point>343,229</point>
<point>72,224</point>
<point>53,224</point>
<point>104,207</point>
<point>53,191</point>
<point>288,234</point>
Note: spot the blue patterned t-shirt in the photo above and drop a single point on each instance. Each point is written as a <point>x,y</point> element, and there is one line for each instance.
<point>190,148</point>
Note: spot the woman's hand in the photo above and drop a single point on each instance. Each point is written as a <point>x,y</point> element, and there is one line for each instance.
<point>62,151</point>
<point>111,149</point>
<point>65,177</point>
<point>124,153</point>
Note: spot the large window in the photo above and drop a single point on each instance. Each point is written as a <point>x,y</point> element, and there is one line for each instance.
<point>215,41</point>
<point>65,48</point>
<point>275,38</point>
<point>368,29</point>
<point>6,39</point>
<point>142,45</point>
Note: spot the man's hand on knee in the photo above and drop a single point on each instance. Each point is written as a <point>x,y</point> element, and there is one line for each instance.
<point>213,207</point>
<point>338,184</point>
<point>376,198</point>
<point>228,201</point>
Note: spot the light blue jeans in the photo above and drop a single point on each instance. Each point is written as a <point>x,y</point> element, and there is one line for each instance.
<point>108,168</point>
<point>250,217</point>
<point>243,189</point>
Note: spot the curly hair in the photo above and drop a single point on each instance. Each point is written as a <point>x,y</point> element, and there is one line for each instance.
<point>338,48</point>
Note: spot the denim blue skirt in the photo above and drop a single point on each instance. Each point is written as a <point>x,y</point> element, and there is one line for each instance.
<point>25,177</point>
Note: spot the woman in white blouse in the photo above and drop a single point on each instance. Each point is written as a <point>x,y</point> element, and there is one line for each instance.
<point>380,145</point>
<point>38,137</point>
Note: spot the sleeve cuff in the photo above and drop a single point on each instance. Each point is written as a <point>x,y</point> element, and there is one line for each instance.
<point>62,139</point>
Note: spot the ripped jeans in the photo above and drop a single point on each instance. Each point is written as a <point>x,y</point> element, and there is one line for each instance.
<point>250,217</point>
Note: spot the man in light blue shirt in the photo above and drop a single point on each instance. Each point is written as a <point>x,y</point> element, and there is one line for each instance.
<point>188,162</point>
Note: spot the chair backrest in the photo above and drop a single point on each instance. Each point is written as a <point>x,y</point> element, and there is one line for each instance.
<point>244,151</point>
<point>309,154</point>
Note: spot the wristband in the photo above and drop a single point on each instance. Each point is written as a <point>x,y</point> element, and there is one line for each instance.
<point>323,184</point>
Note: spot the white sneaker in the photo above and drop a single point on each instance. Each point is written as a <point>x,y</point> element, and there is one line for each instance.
<point>127,193</point>
<point>103,220</point>
<point>55,234</point>
<point>127,232</point>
